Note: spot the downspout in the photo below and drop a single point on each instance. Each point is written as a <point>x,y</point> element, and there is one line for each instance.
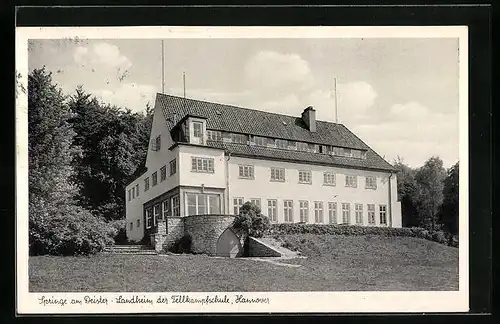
<point>389,208</point>
<point>227,182</point>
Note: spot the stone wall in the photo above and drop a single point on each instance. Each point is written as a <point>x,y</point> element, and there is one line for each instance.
<point>205,231</point>
<point>258,248</point>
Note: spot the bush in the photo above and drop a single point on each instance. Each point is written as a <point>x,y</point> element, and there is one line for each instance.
<point>68,230</point>
<point>183,245</point>
<point>251,220</point>
<point>120,227</point>
<point>351,230</point>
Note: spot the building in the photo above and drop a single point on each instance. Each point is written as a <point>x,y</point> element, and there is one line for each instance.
<point>210,158</point>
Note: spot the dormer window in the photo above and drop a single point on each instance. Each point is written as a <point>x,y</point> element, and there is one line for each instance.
<point>197,132</point>
<point>239,138</point>
<point>156,145</point>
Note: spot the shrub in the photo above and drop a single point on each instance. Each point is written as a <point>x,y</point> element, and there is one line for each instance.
<point>182,245</point>
<point>251,220</point>
<point>439,236</point>
<point>121,231</point>
<point>68,230</point>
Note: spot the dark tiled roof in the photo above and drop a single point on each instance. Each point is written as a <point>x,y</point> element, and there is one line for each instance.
<point>248,121</point>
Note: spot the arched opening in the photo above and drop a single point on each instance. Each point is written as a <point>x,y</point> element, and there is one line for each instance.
<point>228,244</point>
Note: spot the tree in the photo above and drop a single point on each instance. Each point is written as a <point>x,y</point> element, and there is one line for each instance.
<point>449,215</point>
<point>407,188</point>
<point>251,220</point>
<point>429,195</point>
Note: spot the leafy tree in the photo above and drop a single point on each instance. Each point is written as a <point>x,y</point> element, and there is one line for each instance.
<point>449,209</point>
<point>407,188</point>
<point>251,220</point>
<point>429,195</point>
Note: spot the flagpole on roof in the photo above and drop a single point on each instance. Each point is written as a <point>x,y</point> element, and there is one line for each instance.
<point>184,85</point>
<point>162,68</point>
<point>336,106</point>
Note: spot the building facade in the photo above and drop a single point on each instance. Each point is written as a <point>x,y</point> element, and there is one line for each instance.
<point>209,159</point>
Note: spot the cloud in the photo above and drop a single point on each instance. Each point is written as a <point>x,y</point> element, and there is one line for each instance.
<point>102,54</point>
<point>128,95</point>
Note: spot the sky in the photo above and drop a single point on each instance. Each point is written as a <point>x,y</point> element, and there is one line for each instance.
<point>400,96</point>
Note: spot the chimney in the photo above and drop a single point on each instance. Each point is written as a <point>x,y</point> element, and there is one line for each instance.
<point>309,117</point>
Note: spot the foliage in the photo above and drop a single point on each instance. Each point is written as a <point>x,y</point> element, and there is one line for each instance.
<point>407,187</point>
<point>355,230</point>
<point>449,209</point>
<point>182,245</point>
<point>120,226</point>
<point>251,220</point>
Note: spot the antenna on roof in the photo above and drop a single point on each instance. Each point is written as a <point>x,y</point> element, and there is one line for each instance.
<point>336,106</point>
<point>162,68</point>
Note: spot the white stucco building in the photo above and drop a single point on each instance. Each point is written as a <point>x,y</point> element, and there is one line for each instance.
<point>210,158</point>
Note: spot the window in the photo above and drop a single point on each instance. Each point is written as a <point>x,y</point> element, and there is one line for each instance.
<point>158,143</point>
<point>280,143</point>
<point>261,141</point>
<point>173,167</point>
<point>272,209</point>
<point>129,195</point>
<point>351,181</point>
<point>277,174</point>
<point>137,189</point>
<point>318,211</point>
<point>302,146</point>
<point>329,178</point>
<point>163,173</point>
<point>371,183</point>
<point>304,176</point>
<point>245,171</point>
<point>156,213</point>
<point>131,227</point>
<point>332,212</point>
<point>371,214</point>
<point>138,223</point>
<point>133,192</point>
<point>215,136</point>
<point>214,204</point>
<point>198,129</point>
<point>237,203</point>
<point>146,184</point>
<point>304,211</point>
<point>239,138</point>
<point>358,209</point>
<point>165,209</point>
<point>199,164</point>
<point>203,204</point>
<point>149,218</point>
<point>176,207</point>
<point>312,148</point>
<point>154,178</point>
<point>288,211</point>
<point>383,214</point>
<point>256,202</point>
<point>346,152</point>
<point>346,213</point>
<point>356,154</point>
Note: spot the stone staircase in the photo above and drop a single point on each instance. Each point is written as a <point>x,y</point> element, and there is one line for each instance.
<point>129,249</point>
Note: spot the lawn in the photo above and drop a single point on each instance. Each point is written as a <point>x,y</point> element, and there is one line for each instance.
<point>333,263</point>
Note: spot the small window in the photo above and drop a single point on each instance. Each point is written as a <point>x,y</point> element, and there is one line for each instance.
<point>318,212</point>
<point>146,184</point>
<point>137,189</point>
<point>371,183</point>
<point>304,211</point>
<point>280,143</point>
<point>133,192</point>
<point>239,138</point>
<point>256,202</point>
<point>272,210</point>
<point>305,177</point>
<point>154,177</point>
<point>329,178</point>
<point>371,214</point>
<point>301,146</point>
<point>358,209</point>
<point>165,209</point>
<point>138,223</point>
<point>278,174</point>
<point>131,226</point>
<point>156,213</point>
<point>237,203</point>
<point>173,167</point>
<point>261,141</point>
<point>351,181</point>
<point>346,213</point>
<point>245,172</point>
<point>199,164</point>
<point>158,143</point>
<point>383,214</point>
<point>149,218</point>
<point>129,195</point>
<point>215,136</point>
<point>288,211</point>
<point>197,129</point>
<point>332,212</point>
<point>176,210</point>
<point>163,173</point>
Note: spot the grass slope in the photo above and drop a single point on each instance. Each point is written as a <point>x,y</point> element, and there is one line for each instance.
<point>333,264</point>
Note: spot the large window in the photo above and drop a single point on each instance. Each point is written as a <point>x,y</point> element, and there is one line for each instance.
<point>304,211</point>
<point>163,173</point>
<point>256,202</point>
<point>165,209</point>
<point>215,136</point>
<point>137,189</point>
<point>278,174</point>
<point>133,192</point>
<point>129,195</point>
<point>154,177</point>
<point>198,129</point>
<point>332,212</point>
<point>351,181</point>
<point>280,143</point>
<point>146,184</point>
<point>288,211</point>
<point>383,214</point>
<point>245,171</point>
<point>173,167</point>
<point>176,206</point>
<point>149,218</point>
<point>371,214</point>
<point>318,211</point>
<point>199,164</point>
<point>203,204</point>
<point>156,213</point>
<point>272,210</point>
<point>346,213</point>
<point>305,177</point>
<point>329,178</point>
<point>239,138</point>
<point>237,203</point>
<point>261,141</point>
<point>371,183</point>
<point>358,209</point>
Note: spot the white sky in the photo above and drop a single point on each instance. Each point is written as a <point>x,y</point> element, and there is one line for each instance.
<point>398,95</point>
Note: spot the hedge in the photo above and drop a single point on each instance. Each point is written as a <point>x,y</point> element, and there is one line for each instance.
<point>353,230</point>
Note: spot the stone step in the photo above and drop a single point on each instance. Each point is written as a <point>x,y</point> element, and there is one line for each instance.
<point>143,252</point>
<point>135,247</point>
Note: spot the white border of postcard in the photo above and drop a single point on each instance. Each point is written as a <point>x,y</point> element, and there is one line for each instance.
<point>279,302</point>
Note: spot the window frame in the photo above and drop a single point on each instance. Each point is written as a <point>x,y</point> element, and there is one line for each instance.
<point>384,213</point>
<point>346,214</point>
<point>277,171</point>
<point>172,167</point>
<point>309,173</point>
<point>348,183</point>
<point>138,222</point>
<point>149,217</point>
<point>250,171</point>
<point>332,212</point>
<point>371,214</point>
<point>237,203</point>
<point>318,212</point>
<point>163,173</point>
<point>333,178</point>
<point>358,212</point>
<point>137,189</point>
<point>372,184</point>
<point>165,209</point>
<point>146,184</point>
<point>175,207</point>
<point>154,178</point>
<point>262,140</point>
<point>272,210</point>
<point>214,135</point>
<point>253,200</point>
<point>195,123</point>
<point>199,162</point>
<point>304,211</point>
<point>288,211</point>
<point>283,145</point>
<point>242,138</point>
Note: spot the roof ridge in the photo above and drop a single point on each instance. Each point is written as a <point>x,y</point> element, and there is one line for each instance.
<point>245,108</point>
